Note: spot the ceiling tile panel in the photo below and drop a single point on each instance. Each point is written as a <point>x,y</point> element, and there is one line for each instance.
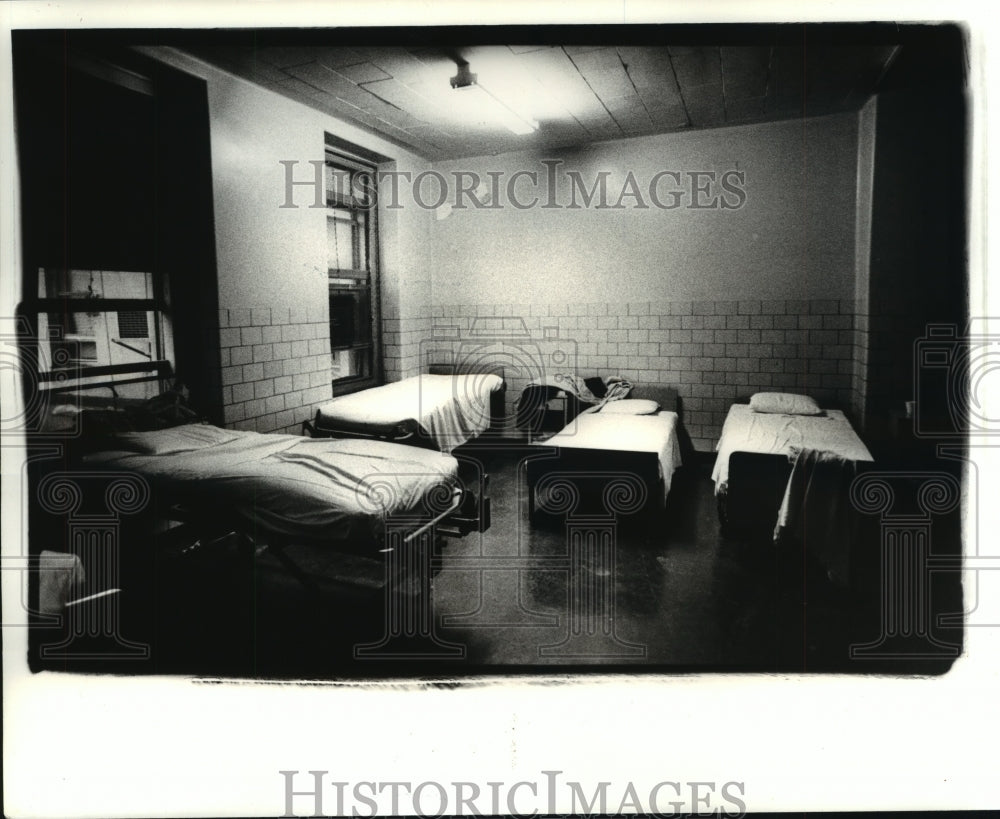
<point>577,93</point>
<point>659,96</point>
<point>363,72</point>
<point>337,56</point>
<point>584,49</point>
<point>604,72</point>
<point>745,90</point>
<point>745,71</point>
<point>698,67</point>
<point>404,97</point>
<point>787,75</point>
<point>562,81</point>
<point>610,84</point>
<point>592,62</point>
<point>705,107</point>
<point>527,49</point>
<point>286,57</point>
<point>746,63</point>
<point>646,65</point>
<point>741,110</point>
<point>656,92</point>
<point>329,81</point>
<point>296,87</point>
<point>390,113</point>
<point>243,61</point>
<point>598,119</point>
<point>670,118</point>
<point>401,64</point>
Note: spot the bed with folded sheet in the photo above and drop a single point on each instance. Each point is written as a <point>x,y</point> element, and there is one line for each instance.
<point>287,487</point>
<point>436,410</point>
<point>636,436</point>
<point>762,443</point>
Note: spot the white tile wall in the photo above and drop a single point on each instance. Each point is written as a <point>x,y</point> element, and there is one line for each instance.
<point>275,367</point>
<point>711,351</point>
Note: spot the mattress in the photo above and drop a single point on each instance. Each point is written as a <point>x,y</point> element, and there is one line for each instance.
<point>625,433</point>
<point>773,433</point>
<point>313,489</point>
<point>450,409</point>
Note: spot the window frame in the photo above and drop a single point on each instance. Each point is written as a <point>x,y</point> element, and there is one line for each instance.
<point>70,376</point>
<point>341,160</point>
<point>49,369</point>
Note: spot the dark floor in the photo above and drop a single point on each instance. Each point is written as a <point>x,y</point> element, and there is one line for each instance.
<point>658,592</point>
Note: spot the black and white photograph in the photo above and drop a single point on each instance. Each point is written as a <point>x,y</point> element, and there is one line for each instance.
<point>373,383</point>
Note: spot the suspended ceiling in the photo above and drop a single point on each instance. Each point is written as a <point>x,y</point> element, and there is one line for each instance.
<point>577,94</point>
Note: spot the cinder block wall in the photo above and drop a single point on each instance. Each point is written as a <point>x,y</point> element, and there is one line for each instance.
<point>712,352</point>
<point>275,366</point>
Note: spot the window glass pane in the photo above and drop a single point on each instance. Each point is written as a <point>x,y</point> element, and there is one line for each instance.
<point>363,189</point>
<point>349,187</point>
<point>351,262</point>
<point>351,363</point>
<point>94,284</point>
<point>360,243</point>
<point>340,242</point>
<point>87,337</point>
<point>95,339</point>
<point>338,186</point>
<point>344,324</point>
<point>350,317</point>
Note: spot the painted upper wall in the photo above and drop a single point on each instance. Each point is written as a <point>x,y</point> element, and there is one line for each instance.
<point>781,224</point>
<point>269,255</point>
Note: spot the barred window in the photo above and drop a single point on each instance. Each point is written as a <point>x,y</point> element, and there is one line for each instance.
<point>132,324</point>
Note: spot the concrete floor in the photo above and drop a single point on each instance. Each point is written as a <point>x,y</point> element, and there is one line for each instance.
<point>666,593</point>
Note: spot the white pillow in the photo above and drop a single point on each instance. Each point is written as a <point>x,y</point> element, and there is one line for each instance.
<point>173,440</point>
<point>785,403</point>
<point>631,406</point>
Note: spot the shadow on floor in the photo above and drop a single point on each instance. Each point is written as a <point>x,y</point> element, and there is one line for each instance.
<point>662,592</point>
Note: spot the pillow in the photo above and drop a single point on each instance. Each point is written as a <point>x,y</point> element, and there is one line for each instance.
<point>784,403</point>
<point>631,406</point>
<point>171,441</point>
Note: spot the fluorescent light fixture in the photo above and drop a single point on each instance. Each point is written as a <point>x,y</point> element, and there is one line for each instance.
<point>483,105</point>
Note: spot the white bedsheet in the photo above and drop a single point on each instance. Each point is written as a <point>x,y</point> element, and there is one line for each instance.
<point>452,409</point>
<point>321,489</point>
<point>773,433</point>
<point>629,433</point>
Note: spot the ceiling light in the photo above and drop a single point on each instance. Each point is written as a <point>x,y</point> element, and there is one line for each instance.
<point>486,106</point>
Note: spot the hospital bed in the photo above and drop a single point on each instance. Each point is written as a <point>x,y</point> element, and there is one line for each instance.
<point>757,451</point>
<point>636,437</point>
<point>293,489</point>
<point>437,410</point>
